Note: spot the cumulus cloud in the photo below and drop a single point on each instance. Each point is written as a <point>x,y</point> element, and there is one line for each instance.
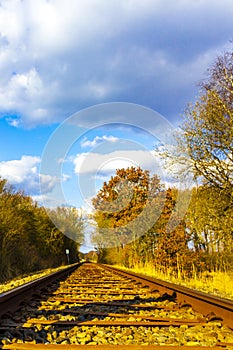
<point>18,171</point>
<point>24,174</point>
<point>104,165</point>
<point>58,57</point>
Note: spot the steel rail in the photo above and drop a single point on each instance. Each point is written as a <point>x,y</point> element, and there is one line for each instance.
<point>10,301</point>
<point>208,305</point>
<point>200,302</point>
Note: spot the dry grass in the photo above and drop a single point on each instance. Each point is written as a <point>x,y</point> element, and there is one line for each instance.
<point>20,280</point>
<point>217,283</point>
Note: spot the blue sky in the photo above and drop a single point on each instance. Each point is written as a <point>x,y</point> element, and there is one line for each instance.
<point>61,57</point>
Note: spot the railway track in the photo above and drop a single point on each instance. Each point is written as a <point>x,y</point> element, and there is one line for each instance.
<point>98,307</point>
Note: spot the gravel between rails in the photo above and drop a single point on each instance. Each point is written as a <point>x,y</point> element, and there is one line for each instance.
<point>76,311</point>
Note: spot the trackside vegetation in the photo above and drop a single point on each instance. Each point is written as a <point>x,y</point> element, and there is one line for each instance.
<point>29,240</point>
<point>201,241</point>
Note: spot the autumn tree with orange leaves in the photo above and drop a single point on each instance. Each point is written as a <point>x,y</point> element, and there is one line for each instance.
<point>124,209</point>
<point>133,212</point>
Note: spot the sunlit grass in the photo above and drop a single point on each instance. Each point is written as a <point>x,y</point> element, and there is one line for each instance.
<point>20,280</point>
<point>217,283</point>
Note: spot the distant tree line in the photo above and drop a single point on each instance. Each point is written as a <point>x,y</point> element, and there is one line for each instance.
<point>29,240</point>
<point>203,238</point>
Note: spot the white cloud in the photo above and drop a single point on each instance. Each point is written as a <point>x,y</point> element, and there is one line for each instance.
<point>18,171</point>
<point>47,183</point>
<point>101,165</point>
<point>24,174</point>
<point>26,86</point>
<point>97,140</point>
<point>59,56</point>
<point>92,167</point>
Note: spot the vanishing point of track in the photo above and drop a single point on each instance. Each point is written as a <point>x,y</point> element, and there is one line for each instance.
<point>92,306</point>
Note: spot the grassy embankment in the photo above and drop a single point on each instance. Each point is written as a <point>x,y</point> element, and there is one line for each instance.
<point>20,280</point>
<point>217,283</point>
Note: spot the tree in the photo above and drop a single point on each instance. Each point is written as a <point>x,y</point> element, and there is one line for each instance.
<point>123,207</point>
<point>29,240</point>
<point>205,148</point>
<point>208,128</point>
<point>69,221</point>
<point>17,231</point>
<point>209,224</point>
<point>172,250</point>
<point>68,232</point>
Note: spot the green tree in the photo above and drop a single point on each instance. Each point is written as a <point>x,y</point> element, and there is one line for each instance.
<point>208,128</point>
<point>70,221</point>
<point>17,231</point>
<point>29,240</point>
<point>210,226</point>
<point>205,149</point>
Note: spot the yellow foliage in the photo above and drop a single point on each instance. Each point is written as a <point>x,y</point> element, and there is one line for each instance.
<point>217,283</point>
